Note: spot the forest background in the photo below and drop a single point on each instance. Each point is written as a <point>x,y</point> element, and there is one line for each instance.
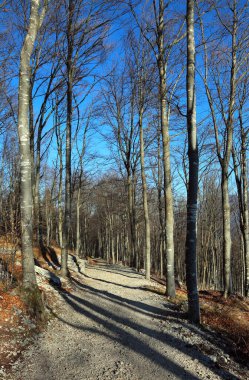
<point>108,134</point>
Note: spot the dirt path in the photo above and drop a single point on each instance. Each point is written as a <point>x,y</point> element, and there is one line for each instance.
<point>109,328</point>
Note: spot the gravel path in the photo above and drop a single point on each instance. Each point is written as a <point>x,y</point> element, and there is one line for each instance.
<point>109,328</point>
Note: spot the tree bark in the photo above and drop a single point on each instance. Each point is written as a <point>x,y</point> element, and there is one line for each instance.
<point>226,216</point>
<point>78,237</point>
<point>29,278</point>
<point>145,200</point>
<point>228,119</point>
<point>193,156</point>
<point>245,212</point>
<point>242,190</point>
<point>160,205</point>
<point>67,215</point>
<point>60,210</point>
<point>132,255</point>
<point>168,197</point>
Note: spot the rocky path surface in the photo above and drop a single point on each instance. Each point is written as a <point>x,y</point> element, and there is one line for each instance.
<point>110,328</point>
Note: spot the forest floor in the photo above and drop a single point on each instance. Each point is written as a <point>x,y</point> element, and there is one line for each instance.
<point>111,323</point>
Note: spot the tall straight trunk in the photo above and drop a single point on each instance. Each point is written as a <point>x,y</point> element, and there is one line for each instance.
<point>107,256</point>
<point>225,163</point>
<point>145,200</point>
<point>227,139</point>
<point>60,210</point>
<point>117,247</point>
<point>32,130</point>
<point>100,242</point>
<point>29,278</point>
<point>112,246</point>
<point>168,196</point>
<point>37,211</point>
<point>85,236</point>
<point>48,222</point>
<point>67,214</point>
<point>226,217</point>
<point>193,156</point>
<point>131,218</point>
<point>134,223</point>
<point>168,203</point>
<point>160,205</point>
<point>78,240</point>
<point>242,190</point>
<point>111,237</point>
<point>245,213</point>
<point>59,149</point>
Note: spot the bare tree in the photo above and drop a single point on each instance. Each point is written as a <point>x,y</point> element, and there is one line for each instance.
<point>37,14</point>
<point>241,176</point>
<point>192,191</point>
<point>139,66</point>
<point>226,110</point>
<point>162,49</point>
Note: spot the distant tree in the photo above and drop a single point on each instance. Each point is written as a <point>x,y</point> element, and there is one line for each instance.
<point>140,67</point>
<point>220,67</point>
<point>119,106</point>
<point>239,153</point>
<point>154,30</point>
<point>86,29</point>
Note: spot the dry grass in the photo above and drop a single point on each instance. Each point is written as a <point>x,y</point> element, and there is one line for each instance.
<point>230,317</point>
<point>12,329</point>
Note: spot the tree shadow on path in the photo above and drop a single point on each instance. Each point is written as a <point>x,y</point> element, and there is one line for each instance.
<point>111,268</point>
<point>125,330</point>
<point>221,342</point>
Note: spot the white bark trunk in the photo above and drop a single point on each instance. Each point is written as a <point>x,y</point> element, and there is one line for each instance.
<point>36,19</point>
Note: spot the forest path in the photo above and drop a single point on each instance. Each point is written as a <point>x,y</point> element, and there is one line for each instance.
<point>110,328</point>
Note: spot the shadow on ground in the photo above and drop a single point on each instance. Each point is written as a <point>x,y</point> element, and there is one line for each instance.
<point>98,305</point>
<point>50,256</point>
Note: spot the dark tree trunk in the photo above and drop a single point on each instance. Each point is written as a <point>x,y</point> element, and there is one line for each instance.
<point>193,156</point>
<point>67,214</point>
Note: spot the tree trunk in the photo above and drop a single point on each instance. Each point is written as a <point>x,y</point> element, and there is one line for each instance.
<point>31,291</point>
<point>78,240</point>
<point>168,197</point>
<point>117,247</point>
<point>67,215</point>
<point>192,193</point>
<point>245,212</point>
<point>60,211</point>
<point>29,278</point>
<point>160,205</point>
<point>145,201</point>
<point>37,211</point>
<point>132,254</point>
<point>242,190</point>
<point>226,216</point>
